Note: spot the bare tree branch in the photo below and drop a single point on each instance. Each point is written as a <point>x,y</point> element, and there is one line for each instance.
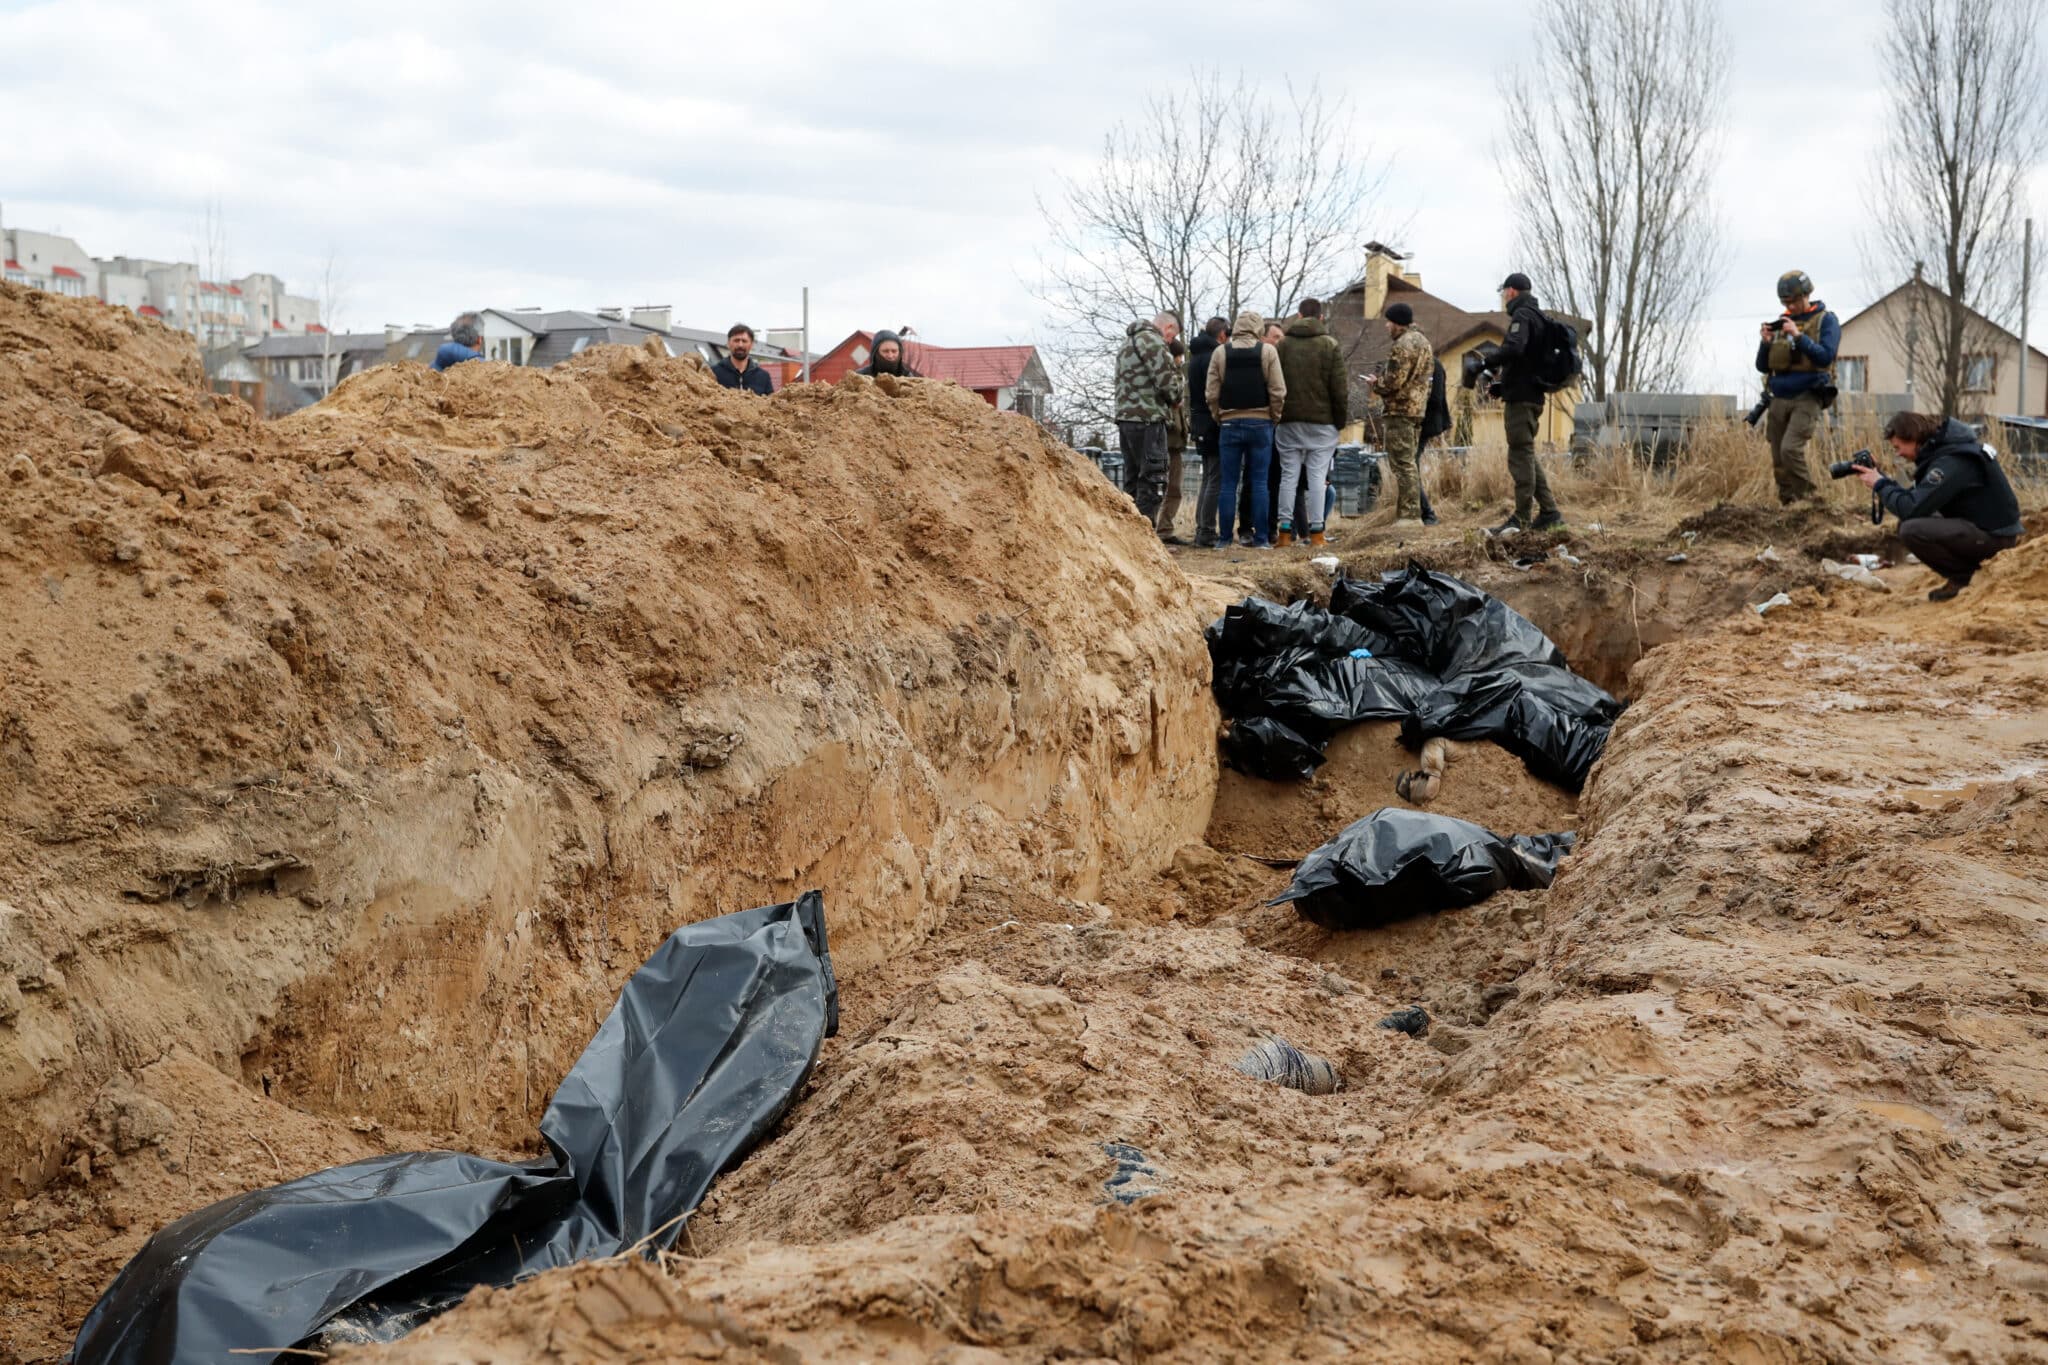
<point>1967,120</point>
<point>1608,153</point>
<point>1216,198</point>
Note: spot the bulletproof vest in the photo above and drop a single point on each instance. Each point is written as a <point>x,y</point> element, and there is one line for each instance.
<point>1785,358</point>
<point>1244,378</point>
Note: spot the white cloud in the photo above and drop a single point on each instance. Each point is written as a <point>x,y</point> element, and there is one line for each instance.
<point>719,157</point>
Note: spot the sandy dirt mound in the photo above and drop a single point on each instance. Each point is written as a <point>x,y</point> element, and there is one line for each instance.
<point>362,755</point>
<point>1758,1080</point>
<point>358,762</point>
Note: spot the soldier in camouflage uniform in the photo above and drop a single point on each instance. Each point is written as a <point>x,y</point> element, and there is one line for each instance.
<point>1148,384</point>
<point>1403,391</point>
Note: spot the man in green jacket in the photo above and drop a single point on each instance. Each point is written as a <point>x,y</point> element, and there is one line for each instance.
<point>1318,393</point>
<point>1148,384</point>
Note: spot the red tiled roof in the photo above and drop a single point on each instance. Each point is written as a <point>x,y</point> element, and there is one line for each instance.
<point>277,324</point>
<point>206,288</point>
<point>66,271</point>
<point>234,289</point>
<point>150,310</point>
<point>315,327</point>
<point>14,265</point>
<point>972,367</point>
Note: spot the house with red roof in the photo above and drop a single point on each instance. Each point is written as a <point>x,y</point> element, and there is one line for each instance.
<point>1008,378</point>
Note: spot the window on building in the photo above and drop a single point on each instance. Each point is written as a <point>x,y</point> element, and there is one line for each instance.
<point>581,342</point>
<point>1852,373</point>
<point>1980,373</point>
<point>860,355</point>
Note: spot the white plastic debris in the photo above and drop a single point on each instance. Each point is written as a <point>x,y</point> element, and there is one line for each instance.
<point>1769,555</point>
<point>1566,555</point>
<point>1678,558</point>
<point>1329,564</point>
<point>1868,561</point>
<point>1777,600</point>
<point>1854,573</point>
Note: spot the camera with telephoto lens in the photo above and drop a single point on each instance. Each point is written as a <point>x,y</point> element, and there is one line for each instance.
<point>1842,469</point>
<point>1756,414</point>
<point>1480,361</point>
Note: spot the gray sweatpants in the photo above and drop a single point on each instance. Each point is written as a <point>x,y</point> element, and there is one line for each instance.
<point>1304,449</point>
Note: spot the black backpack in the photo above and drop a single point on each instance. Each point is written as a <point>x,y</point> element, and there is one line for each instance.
<point>1556,357</point>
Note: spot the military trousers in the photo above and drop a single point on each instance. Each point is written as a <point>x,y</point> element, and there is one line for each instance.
<point>1144,449</point>
<point>1403,435</point>
<point>1532,489</point>
<point>1790,426</point>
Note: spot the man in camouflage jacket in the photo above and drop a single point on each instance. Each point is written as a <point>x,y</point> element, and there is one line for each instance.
<point>1148,385</point>
<point>1403,390</point>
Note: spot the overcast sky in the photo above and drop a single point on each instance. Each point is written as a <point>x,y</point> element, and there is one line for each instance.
<point>719,157</point>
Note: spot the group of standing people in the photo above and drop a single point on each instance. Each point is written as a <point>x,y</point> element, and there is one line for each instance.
<point>1263,402</point>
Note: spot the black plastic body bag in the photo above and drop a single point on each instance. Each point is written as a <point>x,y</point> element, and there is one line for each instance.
<point>1397,862</point>
<point>1421,647</point>
<point>708,1045</point>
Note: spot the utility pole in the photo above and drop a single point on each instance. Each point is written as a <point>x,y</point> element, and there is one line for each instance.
<point>1913,332</point>
<point>2026,297</point>
<point>806,342</point>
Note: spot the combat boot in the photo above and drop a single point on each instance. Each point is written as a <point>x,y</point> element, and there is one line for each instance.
<point>1317,538</point>
<point>1285,538</point>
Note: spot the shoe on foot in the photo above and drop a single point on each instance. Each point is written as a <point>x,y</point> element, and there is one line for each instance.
<point>1317,538</point>
<point>1262,545</point>
<point>1169,538</point>
<point>1248,542</point>
<point>1549,521</point>
<point>1431,519</point>
<point>1947,591</point>
<point>1286,537</point>
<point>1506,528</point>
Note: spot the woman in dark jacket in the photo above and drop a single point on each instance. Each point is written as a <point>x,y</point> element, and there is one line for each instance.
<point>888,357</point>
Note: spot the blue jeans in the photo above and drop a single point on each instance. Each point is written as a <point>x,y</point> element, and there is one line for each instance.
<point>1247,445</point>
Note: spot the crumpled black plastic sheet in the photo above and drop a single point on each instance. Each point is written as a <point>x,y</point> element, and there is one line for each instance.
<point>1421,647</point>
<point>1398,862</point>
<point>707,1047</point>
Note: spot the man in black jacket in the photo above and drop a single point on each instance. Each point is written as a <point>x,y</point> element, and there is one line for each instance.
<point>1960,510</point>
<point>1202,426</point>
<point>1523,396</point>
<point>737,371</point>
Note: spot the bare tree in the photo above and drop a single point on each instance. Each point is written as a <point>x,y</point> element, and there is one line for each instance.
<point>211,255</point>
<point>1608,155</point>
<point>333,298</point>
<point>1217,197</point>
<point>1964,79</point>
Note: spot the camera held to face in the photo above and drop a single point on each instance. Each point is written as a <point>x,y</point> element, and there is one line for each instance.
<point>1842,469</point>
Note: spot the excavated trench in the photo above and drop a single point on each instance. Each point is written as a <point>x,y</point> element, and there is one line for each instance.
<point>302,884</point>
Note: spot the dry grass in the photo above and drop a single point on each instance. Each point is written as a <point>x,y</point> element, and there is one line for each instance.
<point>1725,462</point>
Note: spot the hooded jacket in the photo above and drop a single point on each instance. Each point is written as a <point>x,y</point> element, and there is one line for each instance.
<point>1148,378</point>
<point>875,365</point>
<point>1313,363</point>
<point>1200,420</point>
<point>1244,334</point>
<point>1519,382</point>
<point>1955,476</point>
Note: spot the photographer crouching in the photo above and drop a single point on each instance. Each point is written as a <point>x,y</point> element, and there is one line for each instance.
<point>1959,511</point>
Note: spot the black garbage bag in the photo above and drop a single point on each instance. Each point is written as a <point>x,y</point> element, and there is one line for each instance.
<point>1443,623</point>
<point>1320,698</point>
<point>706,1048</point>
<point>1256,642</point>
<point>1264,747</point>
<point>1396,862</point>
<point>1556,722</point>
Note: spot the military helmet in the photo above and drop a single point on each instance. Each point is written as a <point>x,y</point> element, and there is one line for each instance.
<point>1792,284</point>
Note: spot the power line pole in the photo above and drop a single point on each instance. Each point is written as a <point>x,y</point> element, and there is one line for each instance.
<point>1913,333</point>
<point>806,343</point>
<point>2026,297</point>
